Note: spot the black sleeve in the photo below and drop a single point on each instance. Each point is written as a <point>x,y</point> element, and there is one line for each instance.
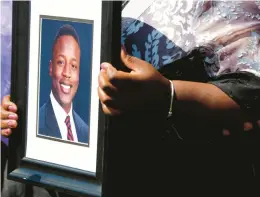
<point>243,88</point>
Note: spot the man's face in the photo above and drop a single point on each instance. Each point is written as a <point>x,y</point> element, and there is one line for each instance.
<point>64,70</point>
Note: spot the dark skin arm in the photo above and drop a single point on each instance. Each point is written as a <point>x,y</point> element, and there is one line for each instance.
<point>206,101</point>
<point>144,88</point>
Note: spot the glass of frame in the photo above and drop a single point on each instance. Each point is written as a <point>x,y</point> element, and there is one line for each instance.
<point>57,48</point>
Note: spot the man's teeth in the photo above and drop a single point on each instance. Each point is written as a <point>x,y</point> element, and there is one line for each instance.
<point>65,86</point>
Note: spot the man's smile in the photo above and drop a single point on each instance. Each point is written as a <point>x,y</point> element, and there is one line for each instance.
<point>65,88</point>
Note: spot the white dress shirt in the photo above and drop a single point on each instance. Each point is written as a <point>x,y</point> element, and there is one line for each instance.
<point>61,115</point>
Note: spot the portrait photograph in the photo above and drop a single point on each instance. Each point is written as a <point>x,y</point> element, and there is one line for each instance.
<point>61,112</point>
<point>65,58</point>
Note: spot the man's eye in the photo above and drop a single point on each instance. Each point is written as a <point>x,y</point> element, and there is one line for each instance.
<point>60,62</point>
<point>74,66</point>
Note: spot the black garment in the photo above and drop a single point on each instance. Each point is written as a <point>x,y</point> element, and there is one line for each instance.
<point>201,156</point>
<point>242,87</point>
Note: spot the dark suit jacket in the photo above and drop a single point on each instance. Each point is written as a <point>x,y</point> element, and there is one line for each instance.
<point>49,126</point>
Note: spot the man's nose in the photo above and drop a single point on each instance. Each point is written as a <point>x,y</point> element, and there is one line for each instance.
<point>66,71</point>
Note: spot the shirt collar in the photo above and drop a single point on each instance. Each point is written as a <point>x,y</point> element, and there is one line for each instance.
<point>58,109</point>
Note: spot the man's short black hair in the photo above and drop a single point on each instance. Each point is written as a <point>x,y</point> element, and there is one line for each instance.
<point>66,30</point>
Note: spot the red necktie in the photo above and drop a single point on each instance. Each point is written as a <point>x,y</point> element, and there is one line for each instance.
<point>69,134</point>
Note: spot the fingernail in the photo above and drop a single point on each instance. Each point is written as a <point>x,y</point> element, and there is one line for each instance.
<point>12,116</point>
<point>11,123</point>
<point>10,107</point>
<point>104,66</point>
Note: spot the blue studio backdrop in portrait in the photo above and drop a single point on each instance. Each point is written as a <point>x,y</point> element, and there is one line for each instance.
<point>50,27</point>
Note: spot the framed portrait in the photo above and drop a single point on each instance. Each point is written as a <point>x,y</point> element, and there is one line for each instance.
<point>61,138</point>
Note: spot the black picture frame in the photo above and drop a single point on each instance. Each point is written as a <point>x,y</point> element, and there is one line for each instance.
<point>43,174</point>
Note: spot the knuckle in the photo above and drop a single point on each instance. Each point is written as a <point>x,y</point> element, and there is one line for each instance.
<point>105,109</point>
<point>106,99</point>
<point>3,114</point>
<point>100,93</point>
<point>6,132</point>
<point>106,88</point>
<point>103,96</point>
<point>2,109</point>
<point>100,79</point>
<point>103,83</point>
<point>129,59</point>
<point>4,124</point>
<point>5,106</point>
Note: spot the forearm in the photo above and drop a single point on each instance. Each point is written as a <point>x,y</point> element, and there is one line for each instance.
<point>204,102</point>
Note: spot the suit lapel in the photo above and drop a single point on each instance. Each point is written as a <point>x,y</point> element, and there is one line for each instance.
<point>76,125</point>
<point>51,121</point>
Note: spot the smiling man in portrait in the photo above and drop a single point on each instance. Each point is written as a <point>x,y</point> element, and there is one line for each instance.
<point>57,117</point>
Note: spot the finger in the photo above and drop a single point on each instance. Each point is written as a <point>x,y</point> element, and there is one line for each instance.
<point>107,100</point>
<point>104,65</point>
<point>111,80</point>
<point>121,76</point>
<point>12,107</point>
<point>8,105</point>
<point>105,85</point>
<point>8,115</point>
<point>109,69</point>
<point>6,132</point>
<point>12,116</point>
<point>114,75</point>
<point>103,97</point>
<point>5,124</point>
<point>110,111</point>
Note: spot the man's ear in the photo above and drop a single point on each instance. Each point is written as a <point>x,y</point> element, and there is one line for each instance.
<point>50,68</point>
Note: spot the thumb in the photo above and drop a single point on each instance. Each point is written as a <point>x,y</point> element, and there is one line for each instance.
<point>113,74</point>
<point>130,62</point>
